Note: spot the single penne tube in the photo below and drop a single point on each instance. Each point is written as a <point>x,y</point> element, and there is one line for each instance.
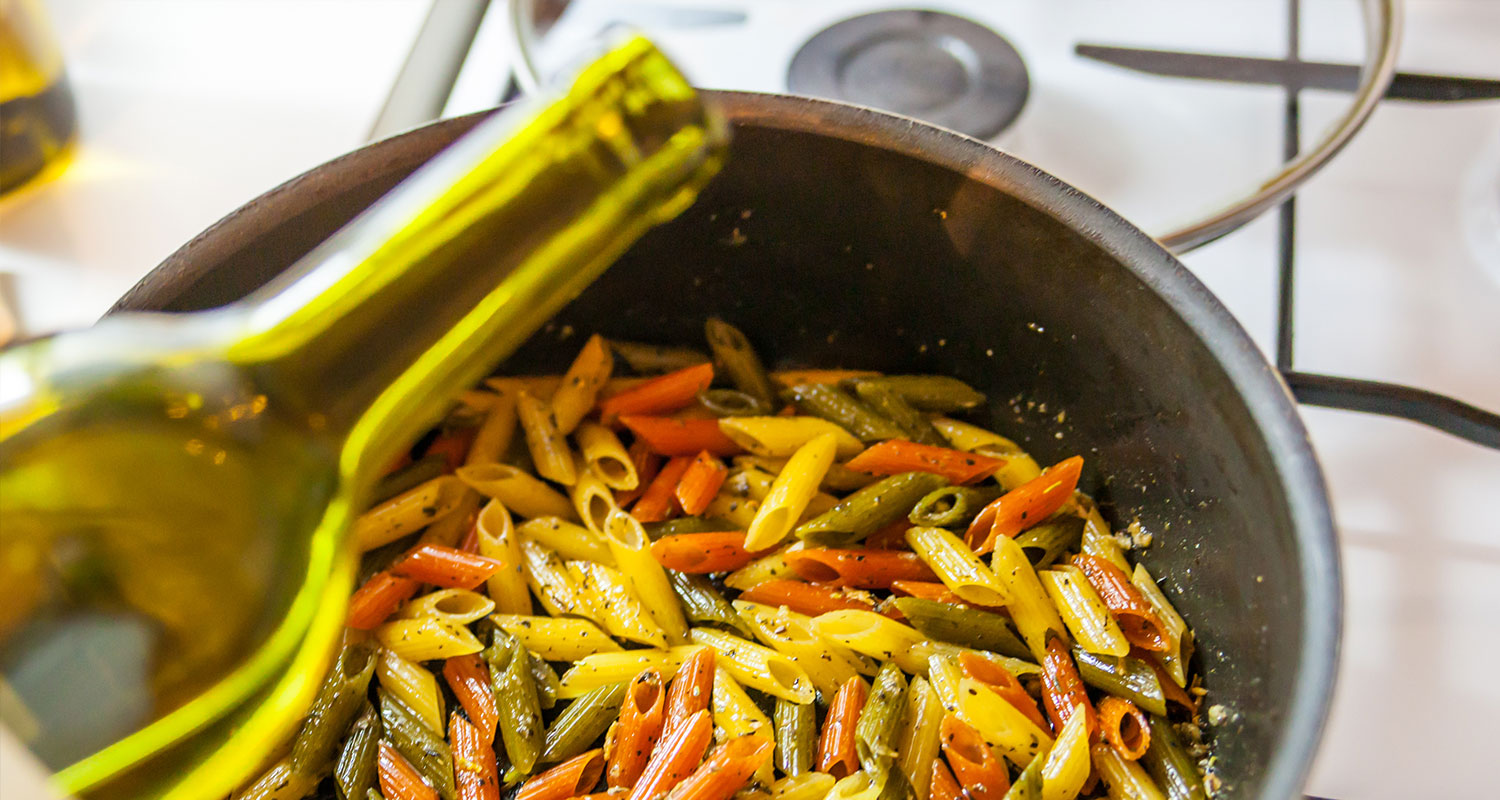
<point>940,393</point>
<point>766,568</point>
<point>624,615</point>
<point>495,432</point>
<point>1049,541</point>
<point>340,698</point>
<point>892,406</point>
<point>790,493</point>
<point>553,585</point>
<point>1097,538</point>
<point>279,782</point>
<point>519,490</point>
<point>414,686</point>
<point>758,666</point>
<point>868,510</point>
<point>592,498</point>
<point>919,740</point>
<point>632,551</point>
<point>796,736</point>
<point>880,721</point>
<point>957,566</point>
<point>1169,764</point>
<point>408,512</point>
<point>807,786</point>
<point>556,638</point>
<point>603,669</point>
<point>497,538</point>
<point>876,636</point>
<point>960,625</point>
<point>837,406</point>
<point>703,603</point>
<point>583,721</point>
<point>1123,779</point>
<point>792,635</point>
<point>569,540</point>
<point>602,451</point>
<point>427,638</point>
<point>857,785</point>
<point>1179,637</point>
<point>1000,723</point>
<point>458,606</point>
<point>1029,605</point>
<point>580,386</point>
<point>549,448</point>
<point>1129,678</point>
<point>1067,766</point>
<point>737,360</point>
<point>588,593</point>
<point>1019,467</point>
<point>738,715</point>
<point>1083,612</point>
<point>654,359</point>
<point>780,437</point>
<point>542,386</point>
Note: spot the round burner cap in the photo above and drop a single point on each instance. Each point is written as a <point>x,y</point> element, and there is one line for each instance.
<point>937,67</point>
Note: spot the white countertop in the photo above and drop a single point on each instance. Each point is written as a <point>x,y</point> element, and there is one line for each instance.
<point>190,107</point>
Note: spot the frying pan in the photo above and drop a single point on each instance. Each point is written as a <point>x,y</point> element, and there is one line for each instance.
<point>838,236</point>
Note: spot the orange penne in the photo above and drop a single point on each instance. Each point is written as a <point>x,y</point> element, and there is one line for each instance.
<point>943,786</point>
<point>1062,689</point>
<point>1025,505</point>
<point>1137,619</point>
<point>379,598</point>
<point>469,678</point>
<point>701,553</point>
<point>725,770</point>
<point>891,537</point>
<point>398,778</point>
<point>837,755</point>
<point>658,502</point>
<point>475,774</point>
<point>629,746</point>
<point>647,464</point>
<point>568,779</point>
<point>691,690</point>
<point>805,598</point>
<point>670,436</point>
<point>982,773</point>
<point>447,567</point>
<point>861,569</point>
<point>662,395</point>
<point>698,485</point>
<point>675,757</point>
<point>1003,683</point>
<point>1124,727</point>
<point>895,456</point>
<point>453,445</point>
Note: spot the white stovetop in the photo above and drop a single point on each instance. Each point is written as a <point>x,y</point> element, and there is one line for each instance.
<point>191,107</point>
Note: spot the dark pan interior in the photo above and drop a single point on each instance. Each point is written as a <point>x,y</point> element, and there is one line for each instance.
<point>831,252</point>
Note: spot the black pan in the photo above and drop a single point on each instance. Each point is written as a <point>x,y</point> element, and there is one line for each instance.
<point>839,236</point>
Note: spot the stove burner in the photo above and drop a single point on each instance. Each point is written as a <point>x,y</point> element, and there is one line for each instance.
<point>937,67</point>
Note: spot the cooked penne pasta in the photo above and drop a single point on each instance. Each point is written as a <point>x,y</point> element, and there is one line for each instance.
<point>807,786</point>
<point>737,511</point>
<point>624,615</point>
<point>556,638</point>
<point>414,686</point>
<point>408,512</point>
<point>1029,605</point>
<point>1097,539</point>
<point>790,493</point>
<point>549,448</point>
<point>859,785</point>
<point>1124,779</point>
<point>737,715</point>
<point>1000,723</point>
<point>960,570</point>
<point>496,536</point>
<point>631,740</point>
<point>520,491</point>
<point>757,666</point>
<point>1019,467</point>
<point>1179,638</point>
<point>603,669</point>
<point>632,551</point>
<point>919,738</point>
<point>780,437</point>
<point>602,452</point>
<point>579,388</point>
<point>766,568</point>
<point>569,540</point>
<point>1083,612</point>
<point>427,638</point>
<point>1067,766</point>
<point>793,635</point>
<point>582,722</point>
<point>553,585</point>
<point>458,606</point>
<point>876,636</point>
<point>592,497</point>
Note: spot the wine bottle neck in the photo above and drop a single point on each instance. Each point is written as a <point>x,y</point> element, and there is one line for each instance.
<point>372,333</point>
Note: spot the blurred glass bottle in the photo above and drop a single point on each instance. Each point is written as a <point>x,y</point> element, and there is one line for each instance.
<point>37,119</point>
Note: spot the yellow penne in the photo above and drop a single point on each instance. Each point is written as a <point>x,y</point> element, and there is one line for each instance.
<point>448,529</point>
<point>756,483</point>
<point>1123,779</point>
<point>552,584</point>
<point>790,493</point>
<point>568,540</point>
<point>1067,766</point>
<point>459,606</point>
<point>957,566</point>
<point>1083,611</point>
<point>494,434</point>
<point>519,490</point>
<point>839,478</point>
<point>779,437</point>
<point>1179,637</point>
<point>592,499</point>
<point>1097,538</point>
<point>588,593</point>
<point>765,568</point>
<point>602,451</point>
<point>876,636</point>
<point>408,512</point>
<point>412,685</point>
<point>732,508</point>
<point>919,741</point>
<point>632,551</point>
<point>497,539</point>
<point>624,615</point>
<point>1000,723</point>
<point>758,666</point>
<point>427,638</point>
<point>603,669</point>
<point>1019,466</point>
<point>792,635</point>
<point>1029,605</point>
<point>807,786</point>
<point>737,715</point>
<point>575,395</point>
<point>550,453</point>
<point>858,785</point>
<point>557,638</point>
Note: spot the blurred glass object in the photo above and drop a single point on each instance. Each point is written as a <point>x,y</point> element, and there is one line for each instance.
<point>38,123</point>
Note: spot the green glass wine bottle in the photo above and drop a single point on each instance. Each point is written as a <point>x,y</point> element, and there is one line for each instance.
<point>176,491</point>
